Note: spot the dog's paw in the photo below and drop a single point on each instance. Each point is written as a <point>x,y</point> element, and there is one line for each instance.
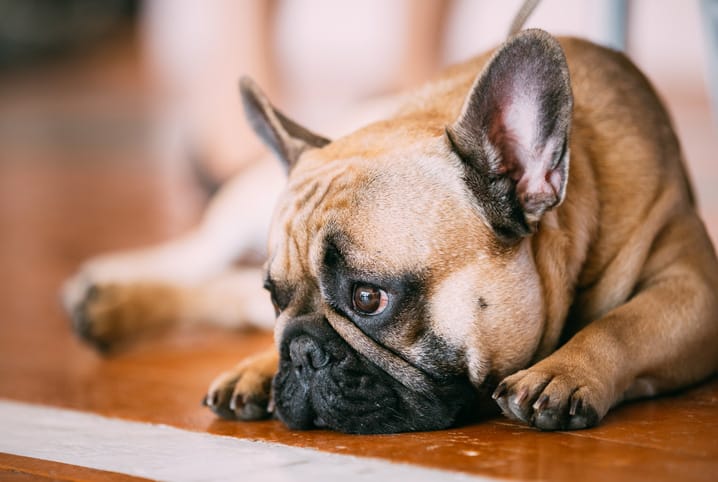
<point>109,316</point>
<point>244,392</point>
<point>550,400</point>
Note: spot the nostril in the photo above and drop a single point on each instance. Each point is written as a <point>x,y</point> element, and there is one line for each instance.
<point>319,359</point>
<point>307,354</point>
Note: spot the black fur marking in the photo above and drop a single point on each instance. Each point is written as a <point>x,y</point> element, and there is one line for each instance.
<point>405,321</point>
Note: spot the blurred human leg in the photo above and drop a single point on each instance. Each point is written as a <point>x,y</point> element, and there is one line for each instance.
<point>196,52</point>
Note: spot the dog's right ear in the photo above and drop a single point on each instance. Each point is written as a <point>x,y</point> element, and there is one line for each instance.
<point>286,138</point>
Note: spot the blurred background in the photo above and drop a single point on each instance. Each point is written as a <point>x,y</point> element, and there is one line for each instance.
<point>112,110</point>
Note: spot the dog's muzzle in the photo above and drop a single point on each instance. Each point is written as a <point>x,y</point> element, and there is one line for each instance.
<point>322,382</point>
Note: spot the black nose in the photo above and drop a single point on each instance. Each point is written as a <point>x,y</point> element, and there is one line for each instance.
<point>307,355</point>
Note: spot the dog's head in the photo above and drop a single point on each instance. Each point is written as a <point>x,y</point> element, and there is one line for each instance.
<point>399,260</point>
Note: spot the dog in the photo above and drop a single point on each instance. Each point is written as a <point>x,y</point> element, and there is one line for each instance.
<point>521,228</point>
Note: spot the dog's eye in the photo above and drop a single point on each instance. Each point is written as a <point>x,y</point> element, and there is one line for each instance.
<point>369,300</point>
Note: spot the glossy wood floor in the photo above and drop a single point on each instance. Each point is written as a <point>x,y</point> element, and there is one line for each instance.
<point>78,176</point>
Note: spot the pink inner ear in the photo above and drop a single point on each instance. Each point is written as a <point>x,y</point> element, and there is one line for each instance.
<point>524,158</point>
<point>537,193</point>
<point>540,186</point>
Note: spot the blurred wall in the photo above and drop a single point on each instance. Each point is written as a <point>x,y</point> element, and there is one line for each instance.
<point>351,46</point>
<point>333,53</point>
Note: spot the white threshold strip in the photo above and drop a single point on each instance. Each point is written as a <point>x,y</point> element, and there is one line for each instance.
<point>162,452</point>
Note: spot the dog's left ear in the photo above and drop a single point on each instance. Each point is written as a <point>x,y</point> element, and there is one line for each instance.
<point>512,134</point>
<point>284,136</point>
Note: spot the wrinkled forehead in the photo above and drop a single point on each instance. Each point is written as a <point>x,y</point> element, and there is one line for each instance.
<point>417,213</point>
<point>395,212</point>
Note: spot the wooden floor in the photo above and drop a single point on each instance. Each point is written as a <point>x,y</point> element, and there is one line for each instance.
<point>78,176</point>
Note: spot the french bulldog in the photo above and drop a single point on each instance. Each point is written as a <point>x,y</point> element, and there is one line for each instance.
<point>521,228</point>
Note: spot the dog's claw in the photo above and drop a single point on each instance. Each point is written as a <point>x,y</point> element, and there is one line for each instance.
<point>541,403</point>
<point>211,400</point>
<point>218,402</point>
<point>499,392</point>
<point>236,402</point>
<point>521,396</point>
<point>251,409</point>
<point>575,406</point>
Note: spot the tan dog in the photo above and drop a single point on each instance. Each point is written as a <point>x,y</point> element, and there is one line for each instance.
<point>530,232</point>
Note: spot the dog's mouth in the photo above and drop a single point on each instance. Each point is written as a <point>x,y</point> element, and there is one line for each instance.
<point>322,382</point>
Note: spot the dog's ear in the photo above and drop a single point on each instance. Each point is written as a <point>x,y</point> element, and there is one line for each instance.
<point>284,136</point>
<point>512,134</point>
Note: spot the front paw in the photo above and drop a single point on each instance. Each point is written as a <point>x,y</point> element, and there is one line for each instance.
<point>244,392</point>
<point>552,399</point>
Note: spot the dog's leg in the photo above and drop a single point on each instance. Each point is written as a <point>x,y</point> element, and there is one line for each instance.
<point>244,391</point>
<point>234,225</point>
<point>665,337</point>
<point>114,314</point>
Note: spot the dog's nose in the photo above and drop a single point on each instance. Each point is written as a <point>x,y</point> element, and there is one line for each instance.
<point>307,355</point>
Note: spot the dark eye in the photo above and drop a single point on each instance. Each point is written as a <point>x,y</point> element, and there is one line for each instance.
<point>369,300</point>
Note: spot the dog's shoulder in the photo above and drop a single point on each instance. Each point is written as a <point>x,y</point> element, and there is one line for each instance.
<point>627,179</point>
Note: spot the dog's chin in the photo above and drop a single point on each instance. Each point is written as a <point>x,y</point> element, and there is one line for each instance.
<point>323,383</point>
